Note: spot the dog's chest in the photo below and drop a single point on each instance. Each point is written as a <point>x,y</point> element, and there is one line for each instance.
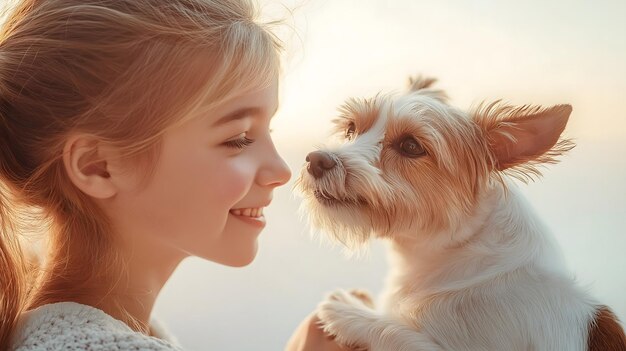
<point>402,301</point>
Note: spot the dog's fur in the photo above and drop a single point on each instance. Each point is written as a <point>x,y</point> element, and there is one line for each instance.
<point>473,267</point>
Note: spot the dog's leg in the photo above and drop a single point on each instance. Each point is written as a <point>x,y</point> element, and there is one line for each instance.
<point>353,323</point>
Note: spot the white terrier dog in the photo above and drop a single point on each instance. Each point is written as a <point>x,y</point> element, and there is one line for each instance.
<point>473,267</point>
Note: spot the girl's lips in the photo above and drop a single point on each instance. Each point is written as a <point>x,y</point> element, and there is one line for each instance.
<point>252,216</point>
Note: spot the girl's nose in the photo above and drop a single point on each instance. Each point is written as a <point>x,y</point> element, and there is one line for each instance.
<point>275,173</point>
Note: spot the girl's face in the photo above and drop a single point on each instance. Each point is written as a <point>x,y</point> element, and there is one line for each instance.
<point>214,176</point>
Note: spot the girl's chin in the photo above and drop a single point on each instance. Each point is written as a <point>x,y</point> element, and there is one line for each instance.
<point>241,257</point>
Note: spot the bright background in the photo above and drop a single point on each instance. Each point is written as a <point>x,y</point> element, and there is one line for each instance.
<point>539,52</point>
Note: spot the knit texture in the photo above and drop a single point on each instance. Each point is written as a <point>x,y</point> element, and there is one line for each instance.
<point>72,326</point>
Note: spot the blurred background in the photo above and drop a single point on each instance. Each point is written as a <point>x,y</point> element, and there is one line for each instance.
<point>538,52</point>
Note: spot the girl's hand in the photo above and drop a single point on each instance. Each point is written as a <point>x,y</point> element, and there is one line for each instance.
<point>310,337</point>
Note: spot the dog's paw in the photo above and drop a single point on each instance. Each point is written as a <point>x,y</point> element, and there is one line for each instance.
<point>356,298</point>
<point>364,296</point>
<point>345,316</point>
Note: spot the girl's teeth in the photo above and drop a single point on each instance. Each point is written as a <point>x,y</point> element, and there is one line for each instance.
<point>248,212</point>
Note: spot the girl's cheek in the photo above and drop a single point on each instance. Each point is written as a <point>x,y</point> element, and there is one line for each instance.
<point>235,179</point>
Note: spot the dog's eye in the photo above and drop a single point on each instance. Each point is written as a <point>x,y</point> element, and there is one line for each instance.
<point>350,131</point>
<point>410,147</point>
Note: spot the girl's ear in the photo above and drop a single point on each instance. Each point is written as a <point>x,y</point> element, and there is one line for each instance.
<point>520,135</point>
<point>88,163</point>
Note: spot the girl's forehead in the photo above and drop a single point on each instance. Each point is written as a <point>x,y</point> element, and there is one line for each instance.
<point>259,101</point>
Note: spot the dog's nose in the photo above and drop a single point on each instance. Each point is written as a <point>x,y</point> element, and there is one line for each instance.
<point>319,162</point>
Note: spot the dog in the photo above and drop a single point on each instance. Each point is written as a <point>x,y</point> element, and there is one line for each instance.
<point>472,266</point>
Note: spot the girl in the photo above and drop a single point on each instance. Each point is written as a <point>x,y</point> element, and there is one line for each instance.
<point>136,132</point>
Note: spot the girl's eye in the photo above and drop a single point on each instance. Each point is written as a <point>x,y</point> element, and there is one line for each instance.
<point>350,131</point>
<point>240,142</point>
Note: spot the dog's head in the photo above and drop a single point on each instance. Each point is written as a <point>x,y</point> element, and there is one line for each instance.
<point>412,163</point>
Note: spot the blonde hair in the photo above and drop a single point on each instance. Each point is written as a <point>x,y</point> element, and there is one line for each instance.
<point>123,71</point>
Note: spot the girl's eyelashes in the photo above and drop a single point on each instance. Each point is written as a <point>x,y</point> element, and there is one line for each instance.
<point>240,142</point>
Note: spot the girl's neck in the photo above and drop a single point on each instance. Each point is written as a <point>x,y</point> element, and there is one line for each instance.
<point>127,293</point>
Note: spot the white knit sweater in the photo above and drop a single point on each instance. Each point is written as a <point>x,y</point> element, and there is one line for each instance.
<point>72,326</point>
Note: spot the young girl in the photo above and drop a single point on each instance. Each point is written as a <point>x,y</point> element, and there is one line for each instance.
<point>136,132</point>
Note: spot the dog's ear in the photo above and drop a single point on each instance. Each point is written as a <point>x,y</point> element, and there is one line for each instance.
<point>420,82</point>
<point>524,136</point>
<point>423,85</point>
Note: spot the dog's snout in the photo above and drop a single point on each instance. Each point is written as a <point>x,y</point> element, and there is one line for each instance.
<point>319,162</point>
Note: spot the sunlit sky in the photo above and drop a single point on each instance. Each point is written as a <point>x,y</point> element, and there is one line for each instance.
<point>523,52</point>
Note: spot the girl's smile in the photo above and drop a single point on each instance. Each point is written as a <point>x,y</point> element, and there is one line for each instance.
<point>252,216</point>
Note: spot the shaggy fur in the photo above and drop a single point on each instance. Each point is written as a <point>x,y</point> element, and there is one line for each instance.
<point>472,266</point>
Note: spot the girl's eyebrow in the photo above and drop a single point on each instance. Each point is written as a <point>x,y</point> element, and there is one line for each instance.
<point>239,114</point>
